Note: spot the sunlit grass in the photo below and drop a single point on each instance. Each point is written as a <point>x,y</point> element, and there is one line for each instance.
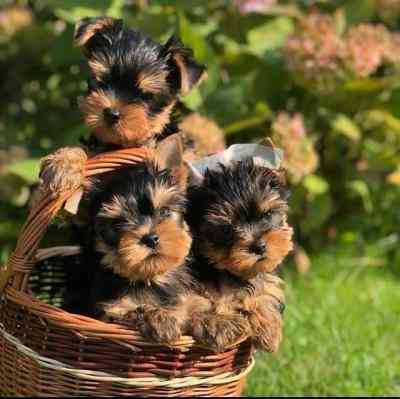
<point>342,334</point>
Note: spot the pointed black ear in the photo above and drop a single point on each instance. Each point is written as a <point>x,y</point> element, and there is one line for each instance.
<point>169,153</point>
<point>191,73</point>
<point>267,142</point>
<point>86,28</point>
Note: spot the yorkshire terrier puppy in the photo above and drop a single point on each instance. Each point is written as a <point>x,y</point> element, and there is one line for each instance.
<point>238,218</point>
<point>136,248</point>
<point>133,88</point>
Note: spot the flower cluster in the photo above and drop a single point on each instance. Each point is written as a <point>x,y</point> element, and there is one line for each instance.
<point>289,133</point>
<point>203,133</point>
<point>14,18</point>
<point>321,58</point>
<point>365,48</point>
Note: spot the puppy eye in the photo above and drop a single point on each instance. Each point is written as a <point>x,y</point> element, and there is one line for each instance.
<point>147,96</point>
<point>224,234</point>
<point>102,85</point>
<point>165,212</point>
<point>267,215</point>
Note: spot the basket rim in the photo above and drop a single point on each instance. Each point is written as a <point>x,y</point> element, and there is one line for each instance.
<point>143,382</point>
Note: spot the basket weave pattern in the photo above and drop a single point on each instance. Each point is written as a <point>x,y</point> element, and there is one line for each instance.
<point>47,351</point>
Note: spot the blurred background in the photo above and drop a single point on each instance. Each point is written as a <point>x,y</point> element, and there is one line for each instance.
<point>319,77</point>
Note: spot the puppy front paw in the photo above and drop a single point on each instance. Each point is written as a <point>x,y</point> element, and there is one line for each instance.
<point>266,330</point>
<point>219,332</point>
<point>63,170</point>
<point>158,325</point>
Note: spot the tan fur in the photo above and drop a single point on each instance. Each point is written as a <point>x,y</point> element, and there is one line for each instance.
<point>273,203</point>
<point>135,261</point>
<point>119,308</point>
<point>99,24</point>
<point>163,324</point>
<point>99,69</point>
<point>112,209</point>
<point>279,245</point>
<point>161,196</point>
<point>235,313</point>
<point>160,120</point>
<point>261,311</point>
<point>159,324</point>
<point>132,129</point>
<point>135,127</point>
<point>63,170</point>
<point>154,82</point>
<point>240,262</point>
<point>219,331</point>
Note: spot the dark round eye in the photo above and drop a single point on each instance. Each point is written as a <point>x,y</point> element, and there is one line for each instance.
<point>147,96</point>
<point>223,234</point>
<point>165,212</point>
<point>101,85</point>
<point>267,215</point>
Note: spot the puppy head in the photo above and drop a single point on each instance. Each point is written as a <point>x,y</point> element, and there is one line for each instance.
<point>135,82</point>
<point>138,221</point>
<point>238,215</point>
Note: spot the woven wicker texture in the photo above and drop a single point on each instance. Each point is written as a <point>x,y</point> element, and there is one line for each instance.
<point>47,351</point>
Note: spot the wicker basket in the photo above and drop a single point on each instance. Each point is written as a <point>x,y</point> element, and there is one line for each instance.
<point>47,351</point>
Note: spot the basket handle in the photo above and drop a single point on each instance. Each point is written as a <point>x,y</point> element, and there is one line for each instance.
<point>22,260</point>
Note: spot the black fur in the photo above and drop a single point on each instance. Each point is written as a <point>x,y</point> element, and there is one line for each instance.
<point>97,284</point>
<point>128,53</point>
<point>235,191</point>
<point>235,209</point>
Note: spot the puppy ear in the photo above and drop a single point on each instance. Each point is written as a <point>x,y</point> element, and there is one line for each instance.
<point>86,28</point>
<point>195,177</point>
<point>191,73</point>
<point>169,155</point>
<point>267,142</point>
<point>279,181</point>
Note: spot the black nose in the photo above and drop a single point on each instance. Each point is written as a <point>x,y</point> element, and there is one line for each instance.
<point>258,248</point>
<point>150,240</point>
<point>111,116</point>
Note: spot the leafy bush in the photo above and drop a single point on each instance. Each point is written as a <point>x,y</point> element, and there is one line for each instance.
<point>321,78</point>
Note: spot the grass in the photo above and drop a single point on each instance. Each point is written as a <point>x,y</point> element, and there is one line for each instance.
<point>342,334</point>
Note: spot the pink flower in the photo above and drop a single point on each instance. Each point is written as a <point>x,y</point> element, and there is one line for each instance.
<point>254,6</point>
<point>313,53</point>
<point>289,133</point>
<point>365,48</point>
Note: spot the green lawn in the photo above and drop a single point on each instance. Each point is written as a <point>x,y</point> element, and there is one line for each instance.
<point>342,333</point>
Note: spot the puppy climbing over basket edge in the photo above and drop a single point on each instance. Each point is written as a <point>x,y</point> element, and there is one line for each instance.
<point>131,99</point>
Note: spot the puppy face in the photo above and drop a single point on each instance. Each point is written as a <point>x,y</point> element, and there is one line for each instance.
<point>138,224</point>
<point>134,81</point>
<point>239,218</point>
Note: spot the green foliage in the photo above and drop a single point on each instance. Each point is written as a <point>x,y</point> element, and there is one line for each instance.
<point>342,149</point>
